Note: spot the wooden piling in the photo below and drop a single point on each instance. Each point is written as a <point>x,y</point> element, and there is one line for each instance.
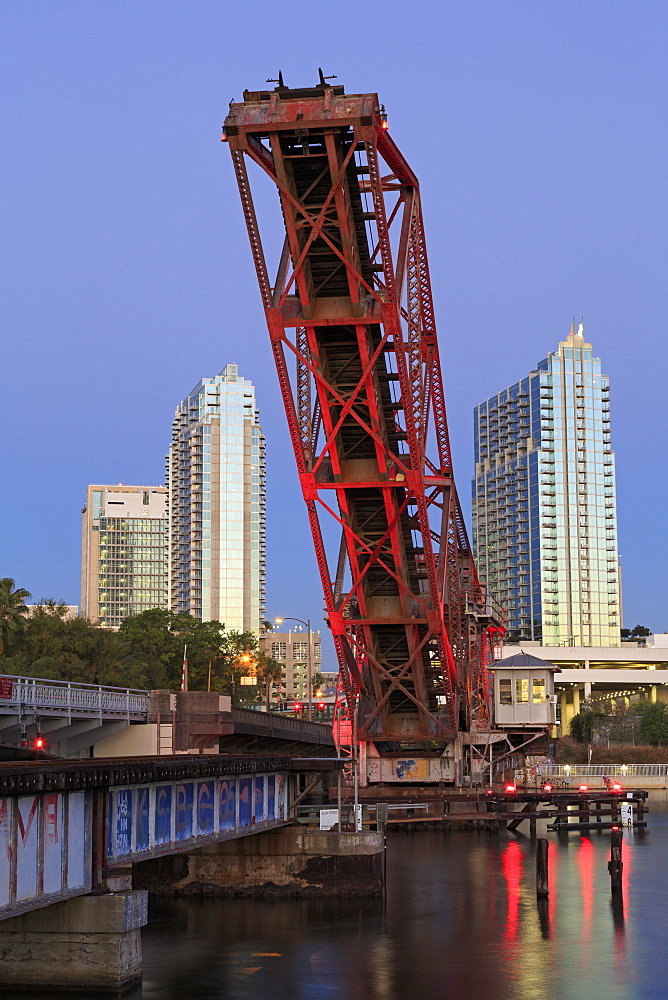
<point>615,864</point>
<point>542,888</point>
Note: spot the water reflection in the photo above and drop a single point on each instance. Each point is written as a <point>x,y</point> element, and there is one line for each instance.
<point>461,922</point>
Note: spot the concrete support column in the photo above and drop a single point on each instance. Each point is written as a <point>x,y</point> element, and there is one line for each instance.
<point>566,715</point>
<point>587,689</point>
<point>576,699</point>
<point>87,944</point>
<point>285,862</point>
<point>652,693</point>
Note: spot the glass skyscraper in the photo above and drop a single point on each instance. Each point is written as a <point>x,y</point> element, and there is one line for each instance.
<point>544,509</point>
<point>216,483</point>
<point>123,552</point>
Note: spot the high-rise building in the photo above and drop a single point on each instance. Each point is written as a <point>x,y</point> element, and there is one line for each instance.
<point>216,482</point>
<point>123,552</point>
<point>544,510</point>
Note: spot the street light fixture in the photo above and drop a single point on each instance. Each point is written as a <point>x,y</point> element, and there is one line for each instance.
<point>309,665</point>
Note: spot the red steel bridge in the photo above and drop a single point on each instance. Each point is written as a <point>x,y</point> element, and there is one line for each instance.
<point>351,324</point>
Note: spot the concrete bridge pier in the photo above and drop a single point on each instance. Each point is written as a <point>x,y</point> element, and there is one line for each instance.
<point>88,944</point>
<point>290,861</point>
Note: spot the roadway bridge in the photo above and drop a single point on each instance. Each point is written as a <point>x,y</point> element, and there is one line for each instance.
<point>89,719</point>
<point>71,717</point>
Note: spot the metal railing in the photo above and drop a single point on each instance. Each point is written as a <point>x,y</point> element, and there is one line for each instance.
<point>71,698</point>
<point>284,723</point>
<point>601,770</point>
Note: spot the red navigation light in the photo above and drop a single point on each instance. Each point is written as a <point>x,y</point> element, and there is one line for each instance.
<point>547,787</point>
<point>39,742</point>
<point>322,706</point>
<point>583,788</point>
<point>490,791</point>
<point>384,124</point>
<point>511,788</point>
<point>297,707</point>
<point>615,828</point>
<point>616,787</point>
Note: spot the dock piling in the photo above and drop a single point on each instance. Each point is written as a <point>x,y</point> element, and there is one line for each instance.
<point>615,864</point>
<point>542,887</point>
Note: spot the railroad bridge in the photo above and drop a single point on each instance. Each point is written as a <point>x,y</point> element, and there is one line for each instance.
<point>74,833</point>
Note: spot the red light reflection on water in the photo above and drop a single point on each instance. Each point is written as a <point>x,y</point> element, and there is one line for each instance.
<point>553,876</point>
<point>511,863</point>
<point>586,866</point>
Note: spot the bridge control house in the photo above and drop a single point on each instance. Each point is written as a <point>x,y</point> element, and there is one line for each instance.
<point>524,691</point>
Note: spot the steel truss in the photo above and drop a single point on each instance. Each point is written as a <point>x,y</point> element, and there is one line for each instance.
<point>351,312</point>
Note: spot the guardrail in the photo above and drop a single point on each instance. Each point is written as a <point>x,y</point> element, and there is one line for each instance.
<point>18,694</point>
<point>601,770</point>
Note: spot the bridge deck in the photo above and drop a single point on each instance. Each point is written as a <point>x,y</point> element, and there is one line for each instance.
<point>65,824</point>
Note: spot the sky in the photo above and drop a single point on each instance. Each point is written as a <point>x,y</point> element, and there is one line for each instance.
<point>536,128</point>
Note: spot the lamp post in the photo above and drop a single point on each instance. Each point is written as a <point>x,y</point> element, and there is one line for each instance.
<point>309,670</point>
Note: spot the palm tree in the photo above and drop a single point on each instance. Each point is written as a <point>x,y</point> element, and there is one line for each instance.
<point>13,611</point>
<point>270,671</point>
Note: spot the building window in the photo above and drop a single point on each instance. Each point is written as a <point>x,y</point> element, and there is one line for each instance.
<point>522,690</point>
<point>505,691</point>
<point>538,691</point>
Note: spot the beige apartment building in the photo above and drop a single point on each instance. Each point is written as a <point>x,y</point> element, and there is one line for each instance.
<point>291,650</point>
<point>123,552</point>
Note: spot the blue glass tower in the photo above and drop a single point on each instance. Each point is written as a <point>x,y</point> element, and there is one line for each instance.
<point>543,499</point>
<point>216,481</point>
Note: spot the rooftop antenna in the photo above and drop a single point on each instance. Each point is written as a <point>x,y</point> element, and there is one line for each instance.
<point>324,79</point>
<point>279,81</point>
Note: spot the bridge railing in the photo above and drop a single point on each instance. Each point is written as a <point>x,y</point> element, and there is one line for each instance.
<point>601,770</point>
<point>286,723</point>
<point>71,698</point>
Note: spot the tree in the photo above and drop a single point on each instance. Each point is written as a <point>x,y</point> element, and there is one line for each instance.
<point>13,612</point>
<point>270,672</point>
<point>640,631</point>
<point>653,722</point>
<point>583,724</point>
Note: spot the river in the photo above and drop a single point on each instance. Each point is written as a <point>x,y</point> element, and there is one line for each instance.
<point>460,922</point>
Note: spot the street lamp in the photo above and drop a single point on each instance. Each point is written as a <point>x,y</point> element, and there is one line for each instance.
<point>309,666</point>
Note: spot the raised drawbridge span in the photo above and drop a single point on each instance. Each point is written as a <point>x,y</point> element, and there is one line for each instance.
<point>351,324</point>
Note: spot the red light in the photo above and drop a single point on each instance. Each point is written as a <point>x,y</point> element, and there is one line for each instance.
<point>297,707</point>
<point>547,787</point>
<point>511,788</point>
<point>384,125</point>
<point>616,787</point>
<point>490,791</point>
<point>39,743</point>
<point>584,788</point>
<point>615,828</point>
<point>322,707</point>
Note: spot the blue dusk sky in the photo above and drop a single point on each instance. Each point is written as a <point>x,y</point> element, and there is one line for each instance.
<point>537,129</point>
